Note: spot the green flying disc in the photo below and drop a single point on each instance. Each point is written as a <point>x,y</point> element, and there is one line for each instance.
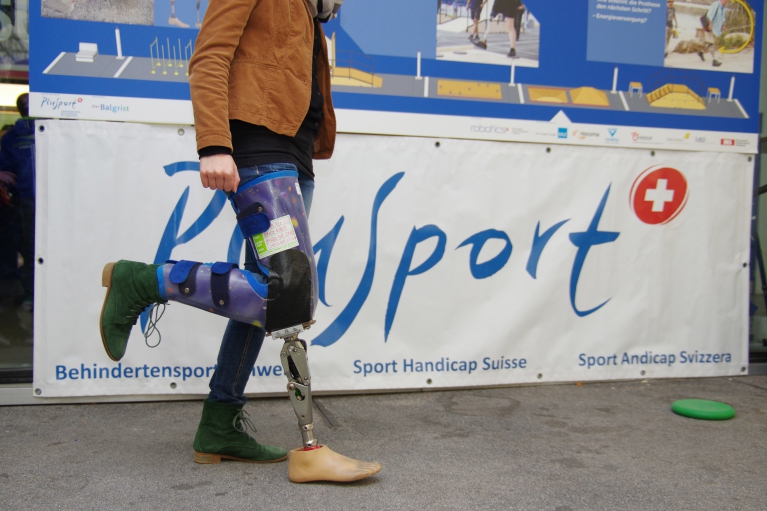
<point>703,409</point>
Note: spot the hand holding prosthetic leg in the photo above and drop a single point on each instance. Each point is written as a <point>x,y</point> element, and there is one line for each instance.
<point>272,218</point>
<point>282,299</point>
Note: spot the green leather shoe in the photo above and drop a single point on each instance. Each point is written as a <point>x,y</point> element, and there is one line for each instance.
<point>131,288</point>
<point>222,434</point>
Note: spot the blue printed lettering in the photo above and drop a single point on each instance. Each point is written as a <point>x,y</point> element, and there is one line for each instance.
<point>539,242</point>
<point>403,271</point>
<point>492,266</point>
<point>584,241</point>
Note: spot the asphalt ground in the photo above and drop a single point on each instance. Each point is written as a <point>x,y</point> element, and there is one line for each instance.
<point>552,447</point>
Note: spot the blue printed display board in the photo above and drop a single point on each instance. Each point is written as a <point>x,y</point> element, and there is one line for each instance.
<point>642,64</point>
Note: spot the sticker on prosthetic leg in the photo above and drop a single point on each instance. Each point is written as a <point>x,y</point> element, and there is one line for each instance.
<point>280,236</point>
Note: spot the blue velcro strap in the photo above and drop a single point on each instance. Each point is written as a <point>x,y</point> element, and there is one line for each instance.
<point>188,286</point>
<point>161,283</point>
<point>180,271</point>
<point>253,224</point>
<point>219,284</point>
<point>220,268</point>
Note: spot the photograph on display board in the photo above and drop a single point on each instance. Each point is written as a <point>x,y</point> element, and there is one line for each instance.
<point>179,13</point>
<point>498,30</point>
<point>14,42</point>
<point>710,35</point>
<point>161,13</point>
<point>703,35</point>
<point>134,12</point>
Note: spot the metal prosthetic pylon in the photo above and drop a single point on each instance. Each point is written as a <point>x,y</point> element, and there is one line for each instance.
<point>296,368</point>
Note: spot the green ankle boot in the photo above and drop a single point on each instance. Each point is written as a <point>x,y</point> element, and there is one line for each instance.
<point>222,434</point>
<point>131,288</point>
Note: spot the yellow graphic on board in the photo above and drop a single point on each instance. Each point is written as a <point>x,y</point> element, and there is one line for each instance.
<point>347,75</point>
<point>354,77</point>
<point>547,95</point>
<point>674,95</point>
<point>476,90</point>
<point>589,96</point>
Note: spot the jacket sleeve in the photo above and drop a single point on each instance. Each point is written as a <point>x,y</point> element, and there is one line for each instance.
<point>224,23</point>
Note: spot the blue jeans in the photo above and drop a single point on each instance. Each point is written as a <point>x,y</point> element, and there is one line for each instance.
<point>242,341</point>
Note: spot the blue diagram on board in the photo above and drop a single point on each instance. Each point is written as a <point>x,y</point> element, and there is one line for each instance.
<point>582,58</point>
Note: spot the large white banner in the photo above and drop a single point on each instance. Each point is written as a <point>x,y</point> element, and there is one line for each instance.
<point>442,263</point>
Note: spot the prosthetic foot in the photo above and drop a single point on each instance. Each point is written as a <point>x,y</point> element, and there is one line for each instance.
<point>173,20</point>
<point>282,298</point>
<point>323,464</point>
<point>313,462</point>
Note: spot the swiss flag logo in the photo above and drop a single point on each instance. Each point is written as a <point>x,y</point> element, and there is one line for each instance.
<point>658,195</point>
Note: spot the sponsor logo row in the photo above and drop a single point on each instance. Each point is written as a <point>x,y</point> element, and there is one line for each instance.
<point>610,135</point>
<point>80,107</point>
<point>70,107</point>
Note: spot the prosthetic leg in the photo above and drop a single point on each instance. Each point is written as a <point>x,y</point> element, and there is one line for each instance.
<point>173,20</point>
<point>282,299</point>
<point>312,462</point>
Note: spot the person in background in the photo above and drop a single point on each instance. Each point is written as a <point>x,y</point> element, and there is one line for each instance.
<point>671,22</point>
<point>512,11</point>
<point>10,279</point>
<point>713,26</point>
<point>17,164</point>
<point>475,8</point>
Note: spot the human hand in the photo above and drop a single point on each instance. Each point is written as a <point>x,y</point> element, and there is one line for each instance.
<point>7,178</point>
<point>219,172</point>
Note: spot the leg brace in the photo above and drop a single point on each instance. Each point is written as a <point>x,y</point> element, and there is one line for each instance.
<point>271,216</point>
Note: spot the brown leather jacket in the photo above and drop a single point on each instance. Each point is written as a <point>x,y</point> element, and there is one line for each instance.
<point>253,62</point>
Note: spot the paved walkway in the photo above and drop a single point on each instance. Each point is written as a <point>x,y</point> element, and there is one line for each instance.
<point>560,447</point>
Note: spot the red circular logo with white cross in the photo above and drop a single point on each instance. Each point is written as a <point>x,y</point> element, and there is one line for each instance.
<point>658,195</point>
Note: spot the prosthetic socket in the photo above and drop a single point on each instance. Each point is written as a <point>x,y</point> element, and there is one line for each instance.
<point>282,298</point>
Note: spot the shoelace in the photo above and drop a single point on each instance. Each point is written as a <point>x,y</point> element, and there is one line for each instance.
<point>242,423</point>
<point>153,317</point>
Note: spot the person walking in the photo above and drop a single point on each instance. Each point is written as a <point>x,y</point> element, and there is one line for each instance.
<point>713,27</point>
<point>262,112</point>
